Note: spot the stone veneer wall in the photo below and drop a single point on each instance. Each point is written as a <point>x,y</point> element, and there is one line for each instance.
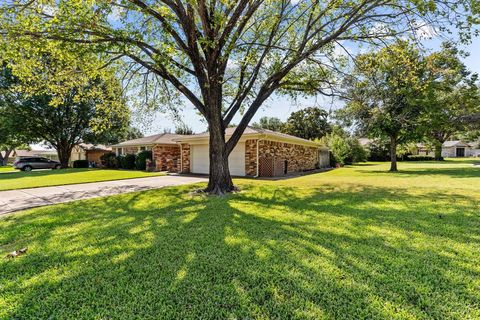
<point>299,158</point>
<point>167,158</point>
<point>185,158</point>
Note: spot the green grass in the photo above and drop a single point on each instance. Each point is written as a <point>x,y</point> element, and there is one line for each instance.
<point>45,178</point>
<point>353,243</point>
<point>6,169</point>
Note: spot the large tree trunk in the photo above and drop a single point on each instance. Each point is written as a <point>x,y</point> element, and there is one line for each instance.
<point>438,151</point>
<point>4,159</point>
<point>220,182</point>
<point>64,150</point>
<point>393,153</point>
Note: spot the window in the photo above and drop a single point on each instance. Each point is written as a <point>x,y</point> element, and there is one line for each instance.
<point>119,151</point>
<point>143,148</point>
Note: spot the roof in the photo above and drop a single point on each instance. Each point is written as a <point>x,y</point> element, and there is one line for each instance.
<point>365,141</point>
<point>34,153</point>
<point>254,132</point>
<point>455,143</point>
<point>163,138</point>
<point>89,146</point>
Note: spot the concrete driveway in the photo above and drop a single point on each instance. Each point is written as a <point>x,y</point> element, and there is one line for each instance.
<point>14,200</point>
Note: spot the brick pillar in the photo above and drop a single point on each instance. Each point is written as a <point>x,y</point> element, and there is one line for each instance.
<point>185,158</point>
<point>157,157</point>
<point>251,158</point>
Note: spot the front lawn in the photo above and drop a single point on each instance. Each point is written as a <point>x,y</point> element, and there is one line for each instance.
<point>353,243</point>
<point>45,178</point>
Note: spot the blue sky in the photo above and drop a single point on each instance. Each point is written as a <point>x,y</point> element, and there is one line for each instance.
<point>281,107</point>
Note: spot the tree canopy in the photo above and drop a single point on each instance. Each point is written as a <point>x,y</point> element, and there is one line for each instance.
<point>229,57</point>
<point>385,95</point>
<point>63,118</point>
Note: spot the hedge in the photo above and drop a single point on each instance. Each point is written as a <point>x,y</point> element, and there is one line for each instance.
<point>80,164</point>
<point>109,160</point>
<point>141,160</point>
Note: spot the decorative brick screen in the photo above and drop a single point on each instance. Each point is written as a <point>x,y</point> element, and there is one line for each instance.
<point>266,168</point>
<point>270,167</point>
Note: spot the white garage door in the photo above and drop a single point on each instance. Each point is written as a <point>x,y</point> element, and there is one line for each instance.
<point>200,159</point>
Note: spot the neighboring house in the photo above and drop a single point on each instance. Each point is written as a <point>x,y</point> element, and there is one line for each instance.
<point>82,151</point>
<point>90,152</point>
<point>259,152</point>
<point>423,150</point>
<point>146,143</point>
<point>365,142</point>
<point>460,149</point>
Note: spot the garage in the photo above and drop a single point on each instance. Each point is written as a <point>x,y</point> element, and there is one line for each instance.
<point>200,162</point>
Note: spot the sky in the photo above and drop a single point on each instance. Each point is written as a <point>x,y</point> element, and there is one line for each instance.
<point>282,107</point>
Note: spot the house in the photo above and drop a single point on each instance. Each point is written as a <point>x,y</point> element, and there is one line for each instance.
<point>460,149</point>
<point>259,152</point>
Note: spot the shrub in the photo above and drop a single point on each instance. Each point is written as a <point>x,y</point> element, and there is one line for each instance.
<point>128,161</point>
<point>141,160</point>
<point>379,151</point>
<point>418,158</point>
<point>80,164</point>
<point>345,149</point>
<point>109,160</point>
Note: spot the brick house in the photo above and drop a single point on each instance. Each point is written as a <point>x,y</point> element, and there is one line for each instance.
<point>259,152</point>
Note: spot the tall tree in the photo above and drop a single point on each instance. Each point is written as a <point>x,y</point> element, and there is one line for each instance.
<point>63,118</point>
<point>386,95</point>
<point>10,137</point>
<point>270,123</point>
<point>309,123</point>
<point>229,57</point>
<point>453,98</point>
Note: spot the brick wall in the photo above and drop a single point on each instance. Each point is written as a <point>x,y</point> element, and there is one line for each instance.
<point>298,158</point>
<point>167,158</point>
<point>94,155</point>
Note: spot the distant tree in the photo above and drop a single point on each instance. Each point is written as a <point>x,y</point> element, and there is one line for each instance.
<point>270,123</point>
<point>65,117</point>
<point>453,98</point>
<point>309,123</point>
<point>386,95</point>
<point>132,133</point>
<point>183,129</point>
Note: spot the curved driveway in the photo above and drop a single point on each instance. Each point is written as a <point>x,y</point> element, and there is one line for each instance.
<point>20,199</point>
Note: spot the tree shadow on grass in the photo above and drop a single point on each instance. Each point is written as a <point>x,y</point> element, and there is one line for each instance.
<point>267,252</point>
<point>468,172</point>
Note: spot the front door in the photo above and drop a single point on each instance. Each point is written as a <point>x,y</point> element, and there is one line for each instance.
<point>460,152</point>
